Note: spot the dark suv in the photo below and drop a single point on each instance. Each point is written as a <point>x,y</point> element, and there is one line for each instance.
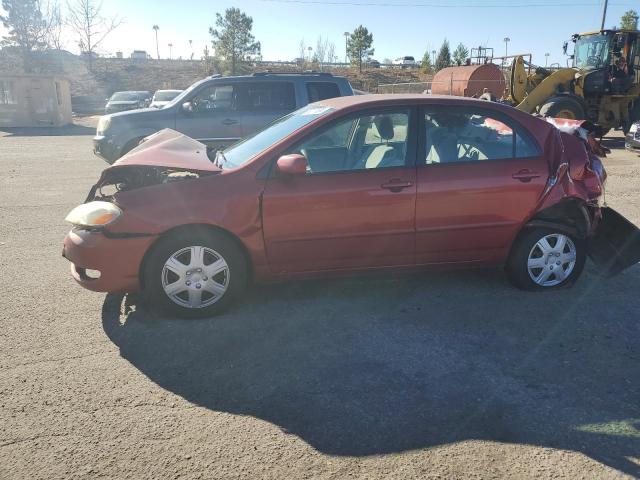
<point>219,111</point>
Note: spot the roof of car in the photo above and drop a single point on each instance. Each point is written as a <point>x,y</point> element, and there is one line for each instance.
<point>393,98</point>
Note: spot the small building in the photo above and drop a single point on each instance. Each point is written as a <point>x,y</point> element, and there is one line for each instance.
<point>34,101</point>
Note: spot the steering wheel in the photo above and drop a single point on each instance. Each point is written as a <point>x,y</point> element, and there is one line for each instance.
<point>593,60</point>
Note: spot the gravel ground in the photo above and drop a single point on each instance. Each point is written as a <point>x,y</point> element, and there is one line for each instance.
<point>431,375</point>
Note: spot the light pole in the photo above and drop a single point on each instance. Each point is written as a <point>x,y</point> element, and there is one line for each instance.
<point>433,54</point>
<point>310,49</point>
<point>170,46</point>
<point>191,48</point>
<point>546,59</point>
<point>506,42</point>
<point>156,28</point>
<point>346,47</point>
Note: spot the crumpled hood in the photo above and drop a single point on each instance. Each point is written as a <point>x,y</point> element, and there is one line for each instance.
<point>170,149</point>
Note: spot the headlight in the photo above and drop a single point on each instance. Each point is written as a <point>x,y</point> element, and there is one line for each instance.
<point>634,128</point>
<point>94,214</point>
<point>103,125</point>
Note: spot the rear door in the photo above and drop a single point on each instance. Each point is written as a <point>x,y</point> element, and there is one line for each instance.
<point>215,119</point>
<point>260,103</point>
<point>355,207</point>
<point>480,175</point>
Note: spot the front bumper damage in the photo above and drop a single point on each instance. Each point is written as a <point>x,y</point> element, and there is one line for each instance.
<point>615,244</point>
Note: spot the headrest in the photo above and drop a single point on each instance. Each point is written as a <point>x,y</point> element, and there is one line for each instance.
<point>384,125</point>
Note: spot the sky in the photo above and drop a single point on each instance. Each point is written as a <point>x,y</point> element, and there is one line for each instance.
<point>399,27</point>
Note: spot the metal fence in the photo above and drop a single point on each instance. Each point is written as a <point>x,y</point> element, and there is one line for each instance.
<point>448,87</point>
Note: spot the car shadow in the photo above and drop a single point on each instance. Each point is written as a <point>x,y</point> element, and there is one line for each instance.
<point>389,363</point>
<point>65,131</point>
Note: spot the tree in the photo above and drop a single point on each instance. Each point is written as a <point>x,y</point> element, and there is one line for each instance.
<point>232,38</point>
<point>444,56</point>
<point>460,54</point>
<point>28,28</point>
<point>427,63</point>
<point>86,20</point>
<point>629,20</point>
<point>359,45</point>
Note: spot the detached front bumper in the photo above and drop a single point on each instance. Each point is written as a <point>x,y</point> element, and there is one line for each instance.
<point>615,244</point>
<point>106,148</point>
<point>117,259</point>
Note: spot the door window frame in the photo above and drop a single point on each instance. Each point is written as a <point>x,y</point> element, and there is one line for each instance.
<point>516,128</point>
<point>230,111</point>
<point>412,140</point>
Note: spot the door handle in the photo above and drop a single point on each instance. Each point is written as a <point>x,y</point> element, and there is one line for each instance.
<point>229,121</point>
<point>396,185</point>
<point>525,175</point>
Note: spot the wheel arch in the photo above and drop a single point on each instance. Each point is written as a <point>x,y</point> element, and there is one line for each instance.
<point>189,227</point>
<point>569,216</point>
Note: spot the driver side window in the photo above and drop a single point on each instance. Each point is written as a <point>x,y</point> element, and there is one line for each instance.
<point>216,98</point>
<point>374,140</point>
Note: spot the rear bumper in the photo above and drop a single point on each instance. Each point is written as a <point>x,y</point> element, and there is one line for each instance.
<point>117,259</point>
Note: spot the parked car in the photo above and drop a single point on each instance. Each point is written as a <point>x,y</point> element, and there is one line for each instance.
<point>632,139</point>
<point>405,62</point>
<point>372,63</point>
<point>163,97</point>
<point>219,111</point>
<point>129,100</point>
<point>348,184</point>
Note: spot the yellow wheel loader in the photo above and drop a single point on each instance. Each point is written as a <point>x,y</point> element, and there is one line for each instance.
<point>602,85</point>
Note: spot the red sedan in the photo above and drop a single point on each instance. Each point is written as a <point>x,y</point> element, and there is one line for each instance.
<point>348,184</point>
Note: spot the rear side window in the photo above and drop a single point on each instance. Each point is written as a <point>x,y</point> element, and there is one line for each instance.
<point>321,91</point>
<point>271,96</point>
<point>468,136</point>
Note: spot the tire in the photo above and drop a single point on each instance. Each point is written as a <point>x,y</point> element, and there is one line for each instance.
<point>563,107</point>
<point>172,267</point>
<point>529,250</point>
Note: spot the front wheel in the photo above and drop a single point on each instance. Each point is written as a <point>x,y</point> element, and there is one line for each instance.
<point>194,274</point>
<point>563,107</point>
<point>544,258</point>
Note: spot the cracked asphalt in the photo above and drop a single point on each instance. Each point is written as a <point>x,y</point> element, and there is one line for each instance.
<point>428,375</point>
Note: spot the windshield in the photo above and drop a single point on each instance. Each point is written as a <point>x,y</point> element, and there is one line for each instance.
<point>166,95</point>
<point>592,52</point>
<point>248,148</point>
<point>124,97</point>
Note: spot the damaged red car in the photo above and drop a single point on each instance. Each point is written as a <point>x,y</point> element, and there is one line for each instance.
<point>349,184</point>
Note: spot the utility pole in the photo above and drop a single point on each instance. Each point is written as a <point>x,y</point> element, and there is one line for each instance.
<point>170,46</point>
<point>433,54</point>
<point>506,42</point>
<point>346,47</point>
<point>604,14</point>
<point>546,59</point>
<point>156,28</point>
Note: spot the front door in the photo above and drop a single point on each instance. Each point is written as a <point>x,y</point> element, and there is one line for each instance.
<point>355,207</point>
<point>479,177</point>
<point>214,118</point>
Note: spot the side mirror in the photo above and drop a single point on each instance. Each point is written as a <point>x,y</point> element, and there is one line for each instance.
<point>292,164</point>
<point>187,107</point>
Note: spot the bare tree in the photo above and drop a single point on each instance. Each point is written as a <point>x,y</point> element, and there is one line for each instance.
<point>86,20</point>
<point>321,49</point>
<point>302,52</point>
<point>331,52</point>
<point>55,24</point>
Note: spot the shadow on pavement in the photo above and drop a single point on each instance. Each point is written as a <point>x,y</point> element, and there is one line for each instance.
<point>66,131</point>
<point>384,364</point>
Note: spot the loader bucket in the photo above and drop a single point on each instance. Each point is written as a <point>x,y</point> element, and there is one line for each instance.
<point>615,245</point>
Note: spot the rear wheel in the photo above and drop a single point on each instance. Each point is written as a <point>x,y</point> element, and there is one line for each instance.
<point>194,273</point>
<point>545,258</point>
<point>563,107</point>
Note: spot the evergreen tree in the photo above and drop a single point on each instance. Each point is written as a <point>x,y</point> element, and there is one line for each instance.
<point>443,59</point>
<point>629,20</point>
<point>359,46</point>
<point>232,39</point>
<point>460,54</point>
